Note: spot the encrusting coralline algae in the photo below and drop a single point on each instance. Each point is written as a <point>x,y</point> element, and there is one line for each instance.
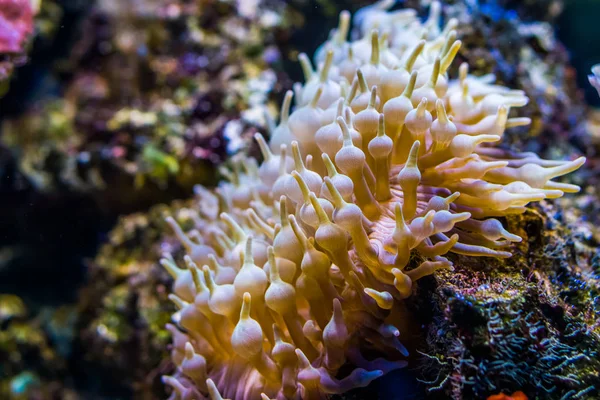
<point>297,266</point>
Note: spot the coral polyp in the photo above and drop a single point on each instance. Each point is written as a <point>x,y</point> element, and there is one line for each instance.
<point>386,167</point>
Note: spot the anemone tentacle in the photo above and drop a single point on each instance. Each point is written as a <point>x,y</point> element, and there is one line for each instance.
<point>384,168</point>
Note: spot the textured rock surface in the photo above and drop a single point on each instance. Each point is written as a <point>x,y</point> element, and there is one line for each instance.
<point>529,323</point>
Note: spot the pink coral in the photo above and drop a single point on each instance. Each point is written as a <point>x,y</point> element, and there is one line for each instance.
<point>298,265</point>
<point>16,24</point>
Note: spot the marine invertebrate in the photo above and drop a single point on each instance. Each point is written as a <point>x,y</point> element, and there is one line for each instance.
<point>297,266</point>
<point>16,24</point>
<point>16,28</point>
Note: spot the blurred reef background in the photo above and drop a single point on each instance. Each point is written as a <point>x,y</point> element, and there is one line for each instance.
<point>112,110</point>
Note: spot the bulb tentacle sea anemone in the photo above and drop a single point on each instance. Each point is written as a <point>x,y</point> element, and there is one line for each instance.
<point>384,168</point>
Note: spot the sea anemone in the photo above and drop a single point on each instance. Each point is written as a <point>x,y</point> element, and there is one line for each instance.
<point>297,267</point>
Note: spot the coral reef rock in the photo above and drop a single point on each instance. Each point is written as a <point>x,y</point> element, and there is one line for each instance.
<point>529,323</point>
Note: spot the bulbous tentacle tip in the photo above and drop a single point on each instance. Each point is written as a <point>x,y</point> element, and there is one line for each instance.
<point>362,378</point>
<point>402,282</point>
<point>189,263</point>
<point>373,98</point>
<point>422,107</point>
<point>165,379</point>
<point>435,73</point>
<point>277,333</point>
<point>321,214</point>
<point>326,66</point>
<point>213,392</point>
<point>264,147</point>
<point>285,107</point>
<point>189,351</point>
<point>450,55</point>
<point>174,383</point>
<point>413,154</point>
<point>302,359</point>
<point>343,26</point>
<point>208,278</point>
<point>441,111</point>
<point>248,256</point>
<point>315,100</point>
<point>171,267</point>
<point>306,66</point>
<point>362,82</point>
<point>450,199</point>
<point>383,299</point>
<point>375,50</point>
<point>388,366</point>
<point>345,131</point>
<point>246,306</point>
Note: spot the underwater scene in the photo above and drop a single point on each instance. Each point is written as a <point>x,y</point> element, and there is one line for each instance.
<point>299,199</point>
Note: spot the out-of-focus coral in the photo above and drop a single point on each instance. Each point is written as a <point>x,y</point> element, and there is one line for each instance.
<point>300,266</point>
<point>593,126</point>
<point>124,309</point>
<point>16,28</point>
<point>158,93</point>
<point>531,10</point>
<point>33,364</point>
<point>16,25</point>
